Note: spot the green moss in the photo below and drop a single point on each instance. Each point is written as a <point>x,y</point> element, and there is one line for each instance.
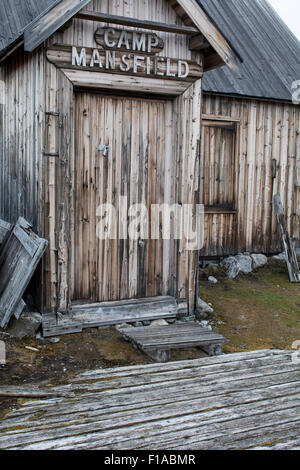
<point>256,311</point>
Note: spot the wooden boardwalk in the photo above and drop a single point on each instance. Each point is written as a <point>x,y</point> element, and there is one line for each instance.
<point>237,401</point>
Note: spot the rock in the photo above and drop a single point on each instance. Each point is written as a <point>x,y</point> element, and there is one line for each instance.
<point>27,325</point>
<point>30,348</point>
<point>159,323</point>
<point>123,326</point>
<point>280,257</point>
<point>212,280</point>
<point>54,340</point>
<point>204,323</point>
<point>232,267</point>
<point>138,323</point>
<point>245,263</point>
<point>259,260</point>
<point>39,336</point>
<point>203,307</point>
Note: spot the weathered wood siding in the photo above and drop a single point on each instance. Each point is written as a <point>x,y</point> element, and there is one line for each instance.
<point>81,33</point>
<point>21,138</point>
<point>266,131</point>
<point>166,269</point>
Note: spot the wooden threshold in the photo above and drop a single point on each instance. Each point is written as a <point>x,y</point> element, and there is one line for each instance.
<point>106,314</point>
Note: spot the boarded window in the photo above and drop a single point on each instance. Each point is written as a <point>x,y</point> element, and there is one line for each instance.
<point>218,165</point>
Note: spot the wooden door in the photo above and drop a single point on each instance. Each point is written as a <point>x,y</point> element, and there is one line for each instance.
<point>138,165</point>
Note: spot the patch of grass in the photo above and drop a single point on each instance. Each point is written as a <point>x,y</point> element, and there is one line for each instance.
<point>261,310</point>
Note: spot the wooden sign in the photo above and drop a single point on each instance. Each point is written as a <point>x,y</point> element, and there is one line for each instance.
<point>112,61</point>
<point>128,40</point>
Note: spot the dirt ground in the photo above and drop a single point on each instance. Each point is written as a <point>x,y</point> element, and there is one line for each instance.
<point>55,363</point>
<point>261,310</point>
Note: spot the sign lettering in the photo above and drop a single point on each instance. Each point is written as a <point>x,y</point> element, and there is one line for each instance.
<point>130,63</point>
<point>128,40</point>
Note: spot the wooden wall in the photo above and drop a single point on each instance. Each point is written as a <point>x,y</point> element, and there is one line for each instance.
<point>81,33</point>
<point>265,131</point>
<point>21,138</point>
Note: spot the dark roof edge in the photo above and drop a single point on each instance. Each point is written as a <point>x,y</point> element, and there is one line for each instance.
<point>42,14</point>
<point>250,97</point>
<point>20,38</point>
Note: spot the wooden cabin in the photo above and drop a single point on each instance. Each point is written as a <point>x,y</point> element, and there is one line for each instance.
<point>102,99</point>
<point>251,133</point>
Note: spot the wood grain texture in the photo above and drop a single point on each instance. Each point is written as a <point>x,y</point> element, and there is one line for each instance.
<point>155,341</point>
<point>47,24</point>
<point>18,261</point>
<point>229,402</point>
<point>212,34</point>
<point>266,161</point>
<point>287,244</point>
<point>135,23</point>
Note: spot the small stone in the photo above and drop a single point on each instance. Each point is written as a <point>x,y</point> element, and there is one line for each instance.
<point>212,280</point>
<point>159,323</point>
<point>204,323</point>
<point>203,307</point>
<point>123,326</point>
<point>32,349</point>
<point>54,340</point>
<point>26,326</point>
<point>138,324</point>
<point>232,267</point>
<point>280,257</point>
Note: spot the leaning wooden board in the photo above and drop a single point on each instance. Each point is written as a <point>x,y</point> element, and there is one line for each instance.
<point>18,261</point>
<point>290,252</point>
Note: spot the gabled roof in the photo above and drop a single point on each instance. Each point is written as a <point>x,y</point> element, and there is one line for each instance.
<point>270,51</point>
<point>15,16</point>
<point>59,12</point>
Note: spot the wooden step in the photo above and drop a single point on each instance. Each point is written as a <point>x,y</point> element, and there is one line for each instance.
<point>157,342</point>
<point>105,314</point>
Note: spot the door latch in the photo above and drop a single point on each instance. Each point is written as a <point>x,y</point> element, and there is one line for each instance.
<point>105,149</point>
